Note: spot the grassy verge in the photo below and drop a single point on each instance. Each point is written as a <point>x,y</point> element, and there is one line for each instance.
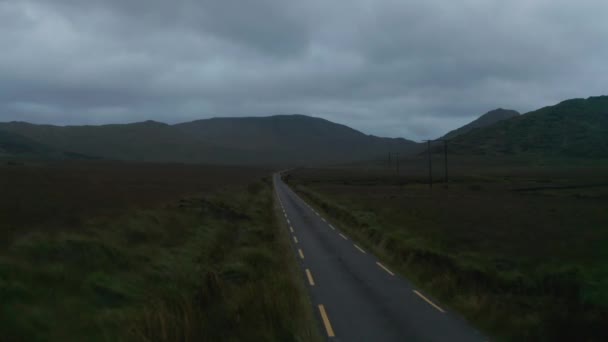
<point>521,267</point>
<point>213,267</point>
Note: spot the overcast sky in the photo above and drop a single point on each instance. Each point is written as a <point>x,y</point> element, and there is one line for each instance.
<point>393,68</point>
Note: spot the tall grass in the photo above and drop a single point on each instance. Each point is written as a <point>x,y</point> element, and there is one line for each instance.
<point>532,301</point>
<point>245,288</point>
<point>207,268</point>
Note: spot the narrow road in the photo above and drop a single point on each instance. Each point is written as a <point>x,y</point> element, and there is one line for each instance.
<point>356,297</point>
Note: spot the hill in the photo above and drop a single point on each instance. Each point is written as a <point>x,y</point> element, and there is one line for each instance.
<point>13,145</point>
<point>282,139</point>
<point>143,141</point>
<point>485,120</point>
<point>573,128</point>
<point>298,138</point>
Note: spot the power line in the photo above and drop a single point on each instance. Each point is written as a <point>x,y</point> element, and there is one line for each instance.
<point>397,161</point>
<point>428,144</point>
<point>445,161</point>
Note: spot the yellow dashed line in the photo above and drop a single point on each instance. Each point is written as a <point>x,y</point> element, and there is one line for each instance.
<point>311,281</point>
<point>384,268</point>
<point>360,249</point>
<point>428,301</point>
<point>328,328</point>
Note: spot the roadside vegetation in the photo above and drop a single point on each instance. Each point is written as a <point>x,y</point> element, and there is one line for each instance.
<point>142,252</point>
<point>518,248</point>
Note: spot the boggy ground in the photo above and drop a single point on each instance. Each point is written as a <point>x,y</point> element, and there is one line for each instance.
<point>102,251</point>
<point>518,248</point>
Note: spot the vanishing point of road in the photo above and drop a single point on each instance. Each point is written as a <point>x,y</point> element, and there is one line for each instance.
<point>355,296</point>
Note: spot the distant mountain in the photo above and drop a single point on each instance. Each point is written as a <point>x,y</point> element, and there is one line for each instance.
<point>282,139</point>
<point>143,141</point>
<point>485,120</point>
<point>577,127</point>
<point>297,138</point>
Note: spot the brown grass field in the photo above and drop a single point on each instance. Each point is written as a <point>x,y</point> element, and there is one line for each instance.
<point>63,194</point>
<point>108,251</point>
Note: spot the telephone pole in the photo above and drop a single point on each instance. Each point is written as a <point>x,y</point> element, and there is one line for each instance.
<point>445,153</point>
<point>397,161</point>
<point>445,161</point>
<point>428,144</point>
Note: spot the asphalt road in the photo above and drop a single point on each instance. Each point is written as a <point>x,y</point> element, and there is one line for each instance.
<point>356,297</point>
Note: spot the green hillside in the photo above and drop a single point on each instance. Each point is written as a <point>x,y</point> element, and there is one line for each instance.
<point>572,128</point>
<point>485,120</point>
<point>13,145</point>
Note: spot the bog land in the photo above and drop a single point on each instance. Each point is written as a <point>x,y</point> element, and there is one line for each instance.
<point>116,251</point>
<point>517,246</point>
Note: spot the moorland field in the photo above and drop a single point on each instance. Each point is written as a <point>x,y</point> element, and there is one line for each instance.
<point>518,246</point>
<point>94,249</point>
<point>110,251</point>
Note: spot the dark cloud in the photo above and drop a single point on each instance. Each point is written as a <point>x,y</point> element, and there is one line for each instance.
<point>397,68</point>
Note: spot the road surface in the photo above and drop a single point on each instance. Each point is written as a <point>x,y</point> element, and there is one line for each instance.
<point>355,296</point>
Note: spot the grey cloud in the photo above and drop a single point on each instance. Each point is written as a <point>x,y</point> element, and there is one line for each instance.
<point>397,68</point>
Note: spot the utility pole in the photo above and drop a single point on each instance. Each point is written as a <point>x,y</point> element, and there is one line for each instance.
<point>445,160</point>
<point>397,161</point>
<point>428,144</point>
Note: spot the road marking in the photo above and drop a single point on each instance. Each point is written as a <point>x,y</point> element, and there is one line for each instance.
<point>288,222</point>
<point>295,239</point>
<point>332,227</point>
<point>322,219</point>
<point>291,228</point>
<point>317,214</point>
<point>428,301</point>
<point>328,328</point>
<point>311,281</point>
<point>384,268</point>
<point>359,248</point>
<point>285,215</point>
<point>344,237</point>
<point>301,253</point>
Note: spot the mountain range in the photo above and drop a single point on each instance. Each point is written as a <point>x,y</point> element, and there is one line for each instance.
<point>577,127</point>
<point>280,139</point>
